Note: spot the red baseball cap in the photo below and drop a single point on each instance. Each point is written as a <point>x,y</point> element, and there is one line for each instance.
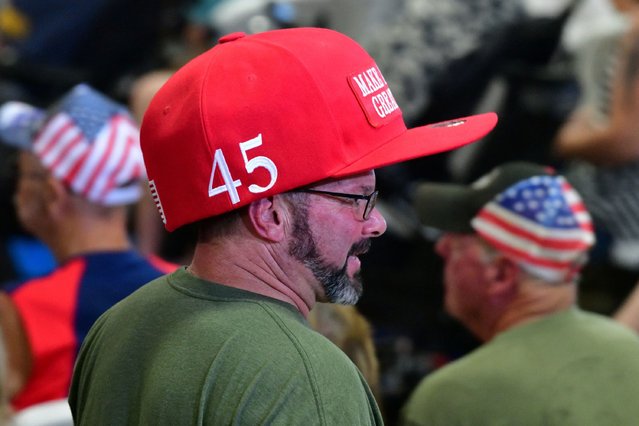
<point>262,114</point>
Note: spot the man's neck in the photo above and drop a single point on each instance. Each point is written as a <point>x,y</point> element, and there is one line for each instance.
<point>88,236</point>
<point>255,268</point>
<point>535,300</point>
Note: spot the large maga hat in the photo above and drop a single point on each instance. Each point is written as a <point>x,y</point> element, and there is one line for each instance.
<point>262,114</point>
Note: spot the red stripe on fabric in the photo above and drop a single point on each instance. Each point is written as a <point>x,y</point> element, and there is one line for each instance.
<point>573,244</point>
<point>576,203</point>
<point>111,183</point>
<point>51,142</point>
<point>105,157</point>
<point>47,307</point>
<point>73,172</point>
<point>63,154</point>
<point>508,249</point>
<point>588,226</point>
<point>578,207</point>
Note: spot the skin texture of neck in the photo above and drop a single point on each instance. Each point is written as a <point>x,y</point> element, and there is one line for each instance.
<point>85,229</point>
<point>533,300</point>
<point>256,267</point>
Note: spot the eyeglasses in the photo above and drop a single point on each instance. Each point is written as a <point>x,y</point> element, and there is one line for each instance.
<point>371,199</point>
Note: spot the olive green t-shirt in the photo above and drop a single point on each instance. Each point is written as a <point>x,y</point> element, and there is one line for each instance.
<point>184,351</point>
<point>570,369</point>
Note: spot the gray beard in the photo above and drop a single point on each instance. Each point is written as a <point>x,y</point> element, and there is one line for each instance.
<point>338,287</point>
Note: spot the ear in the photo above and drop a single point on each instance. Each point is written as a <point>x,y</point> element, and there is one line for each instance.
<point>56,197</point>
<point>268,217</point>
<point>502,277</point>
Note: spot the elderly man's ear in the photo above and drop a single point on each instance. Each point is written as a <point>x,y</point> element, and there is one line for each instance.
<point>502,276</point>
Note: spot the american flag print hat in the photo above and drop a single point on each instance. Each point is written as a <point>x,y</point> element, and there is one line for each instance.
<point>85,140</point>
<point>526,211</point>
<point>541,223</point>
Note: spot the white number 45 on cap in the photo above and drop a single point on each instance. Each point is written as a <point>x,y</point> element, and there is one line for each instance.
<point>230,184</point>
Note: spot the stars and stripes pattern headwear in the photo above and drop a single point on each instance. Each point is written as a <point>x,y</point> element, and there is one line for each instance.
<point>525,210</point>
<point>542,224</point>
<point>86,140</point>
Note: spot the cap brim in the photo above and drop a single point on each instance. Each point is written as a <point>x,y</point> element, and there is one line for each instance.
<point>446,207</point>
<point>423,141</point>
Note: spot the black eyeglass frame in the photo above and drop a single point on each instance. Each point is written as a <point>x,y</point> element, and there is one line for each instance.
<point>371,199</point>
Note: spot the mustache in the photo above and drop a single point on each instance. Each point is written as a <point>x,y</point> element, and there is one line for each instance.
<point>360,247</point>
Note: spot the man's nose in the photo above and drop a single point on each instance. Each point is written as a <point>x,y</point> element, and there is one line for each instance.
<point>375,225</point>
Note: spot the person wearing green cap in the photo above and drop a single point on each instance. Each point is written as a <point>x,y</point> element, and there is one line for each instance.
<point>513,243</point>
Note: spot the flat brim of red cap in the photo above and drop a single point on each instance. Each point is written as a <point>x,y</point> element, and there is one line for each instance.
<point>425,140</point>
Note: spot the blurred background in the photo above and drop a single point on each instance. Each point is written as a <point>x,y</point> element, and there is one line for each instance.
<point>527,60</point>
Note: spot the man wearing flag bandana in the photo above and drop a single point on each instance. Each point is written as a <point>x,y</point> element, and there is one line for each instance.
<point>513,243</point>
<point>79,169</point>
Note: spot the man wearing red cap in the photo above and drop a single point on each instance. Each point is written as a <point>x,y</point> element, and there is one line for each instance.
<point>268,142</point>
<point>79,168</point>
<point>513,245</point>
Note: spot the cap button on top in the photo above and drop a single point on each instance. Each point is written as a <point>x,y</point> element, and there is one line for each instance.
<point>231,37</point>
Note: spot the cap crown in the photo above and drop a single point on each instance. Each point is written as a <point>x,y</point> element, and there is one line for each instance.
<point>540,222</point>
<point>262,114</point>
<point>92,144</point>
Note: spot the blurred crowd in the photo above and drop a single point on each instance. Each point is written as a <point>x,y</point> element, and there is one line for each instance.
<point>562,75</point>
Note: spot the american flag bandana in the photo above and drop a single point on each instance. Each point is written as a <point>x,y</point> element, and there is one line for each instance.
<point>542,224</point>
<point>92,144</point>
